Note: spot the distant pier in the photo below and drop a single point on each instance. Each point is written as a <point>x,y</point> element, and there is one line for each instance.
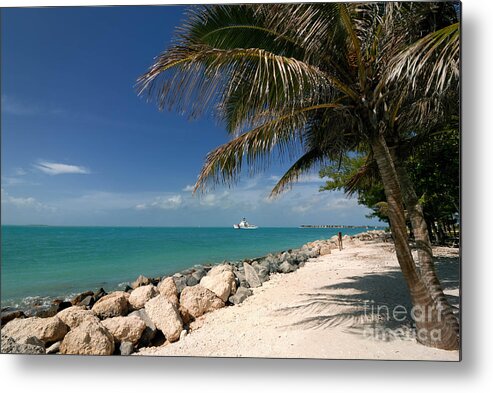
<point>342,226</point>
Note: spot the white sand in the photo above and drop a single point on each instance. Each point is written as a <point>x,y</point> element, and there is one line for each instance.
<point>318,312</point>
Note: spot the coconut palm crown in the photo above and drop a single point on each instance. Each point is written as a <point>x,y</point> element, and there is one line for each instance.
<point>310,82</point>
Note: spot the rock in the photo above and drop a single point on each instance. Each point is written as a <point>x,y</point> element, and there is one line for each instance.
<point>125,328</point>
<point>198,274</point>
<point>286,267</point>
<point>89,338</point>
<point>76,300</point>
<point>10,345</point>
<point>141,295</point>
<point>88,301</point>
<point>241,279</point>
<point>44,311</point>
<point>165,316</point>
<point>63,306</point>
<point>47,330</point>
<point>183,334</point>
<point>99,294</point>
<point>113,305</point>
<point>75,315</point>
<point>262,273</point>
<point>126,348</point>
<point>219,269</point>
<point>140,281</point>
<point>251,276</point>
<point>54,348</point>
<point>180,282</point>
<point>325,250</point>
<point>240,295</point>
<point>222,283</point>
<point>8,315</point>
<point>191,281</point>
<point>198,300</point>
<point>150,330</point>
<point>167,288</point>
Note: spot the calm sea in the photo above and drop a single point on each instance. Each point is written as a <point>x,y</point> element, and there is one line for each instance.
<point>45,262</point>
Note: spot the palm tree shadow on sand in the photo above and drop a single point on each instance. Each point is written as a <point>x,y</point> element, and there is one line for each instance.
<point>374,305</point>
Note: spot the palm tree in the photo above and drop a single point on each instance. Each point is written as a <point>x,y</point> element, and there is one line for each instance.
<point>309,81</point>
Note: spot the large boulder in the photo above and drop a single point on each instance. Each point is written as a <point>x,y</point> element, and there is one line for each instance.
<point>47,330</point>
<point>198,300</point>
<point>167,288</point>
<point>150,330</point>
<point>221,281</point>
<point>125,328</point>
<point>140,281</point>
<point>141,295</point>
<point>75,315</point>
<point>165,316</point>
<point>89,338</point>
<point>113,305</point>
<point>30,346</point>
<point>240,295</point>
<point>251,276</point>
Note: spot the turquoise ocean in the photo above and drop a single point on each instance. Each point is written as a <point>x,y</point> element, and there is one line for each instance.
<point>40,263</point>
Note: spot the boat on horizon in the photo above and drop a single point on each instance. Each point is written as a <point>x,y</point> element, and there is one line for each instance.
<point>244,224</point>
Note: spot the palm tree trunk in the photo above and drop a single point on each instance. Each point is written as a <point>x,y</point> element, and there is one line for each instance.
<point>431,329</point>
<point>423,244</point>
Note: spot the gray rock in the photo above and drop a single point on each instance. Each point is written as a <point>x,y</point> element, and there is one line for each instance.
<point>199,273</point>
<point>88,301</point>
<point>180,282</point>
<point>9,345</point>
<point>286,267</point>
<point>149,332</point>
<point>191,281</point>
<point>251,276</point>
<point>9,314</point>
<point>262,273</point>
<point>77,299</point>
<point>240,295</point>
<point>126,348</point>
<point>241,279</point>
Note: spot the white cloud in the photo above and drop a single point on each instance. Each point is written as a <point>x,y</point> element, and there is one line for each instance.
<point>20,172</point>
<point>23,202</point>
<point>166,203</point>
<point>54,168</point>
<point>188,188</point>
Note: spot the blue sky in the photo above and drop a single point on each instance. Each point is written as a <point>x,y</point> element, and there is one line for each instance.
<point>79,147</point>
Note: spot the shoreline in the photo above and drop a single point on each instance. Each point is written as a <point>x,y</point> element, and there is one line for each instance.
<point>44,304</point>
<point>234,292</point>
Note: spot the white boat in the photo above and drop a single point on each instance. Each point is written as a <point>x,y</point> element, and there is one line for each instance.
<point>244,224</point>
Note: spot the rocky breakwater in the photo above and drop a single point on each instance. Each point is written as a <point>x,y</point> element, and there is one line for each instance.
<point>153,311</point>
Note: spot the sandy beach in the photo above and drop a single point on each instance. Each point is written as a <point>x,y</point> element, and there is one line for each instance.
<point>337,306</point>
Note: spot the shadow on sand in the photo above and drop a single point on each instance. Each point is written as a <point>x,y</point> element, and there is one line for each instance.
<point>376,302</point>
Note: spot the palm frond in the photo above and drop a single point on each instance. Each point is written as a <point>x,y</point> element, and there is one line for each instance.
<point>197,78</point>
<point>303,165</point>
<point>284,133</point>
<point>432,60</point>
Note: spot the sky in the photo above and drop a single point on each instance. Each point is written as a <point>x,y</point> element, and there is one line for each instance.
<point>79,147</point>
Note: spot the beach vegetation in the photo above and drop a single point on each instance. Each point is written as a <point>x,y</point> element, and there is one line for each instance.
<point>308,83</point>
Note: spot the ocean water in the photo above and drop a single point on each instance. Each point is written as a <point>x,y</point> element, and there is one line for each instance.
<point>47,262</point>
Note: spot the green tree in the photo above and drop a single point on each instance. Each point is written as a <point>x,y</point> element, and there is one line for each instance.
<point>314,81</point>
